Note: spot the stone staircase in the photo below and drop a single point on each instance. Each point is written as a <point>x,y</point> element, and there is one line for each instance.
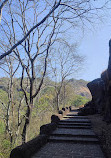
<point>73,138</point>
<point>74,129</point>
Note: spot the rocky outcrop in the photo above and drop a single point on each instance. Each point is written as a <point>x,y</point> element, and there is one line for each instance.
<point>97,89</point>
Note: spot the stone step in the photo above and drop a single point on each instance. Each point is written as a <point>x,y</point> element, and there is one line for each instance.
<point>74,132</point>
<point>74,124</point>
<point>73,110</point>
<point>72,114</point>
<point>73,135</point>
<point>75,116</point>
<point>73,139</point>
<point>74,127</point>
<point>75,121</point>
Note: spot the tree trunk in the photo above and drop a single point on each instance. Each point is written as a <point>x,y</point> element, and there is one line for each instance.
<point>57,103</point>
<point>29,108</point>
<point>8,129</point>
<point>64,95</point>
<point>27,120</point>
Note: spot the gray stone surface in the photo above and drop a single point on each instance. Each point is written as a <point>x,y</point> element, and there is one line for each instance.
<point>72,116</point>
<point>75,127</point>
<point>69,150</point>
<point>74,131</point>
<point>75,120</point>
<point>72,140</point>
<point>75,123</point>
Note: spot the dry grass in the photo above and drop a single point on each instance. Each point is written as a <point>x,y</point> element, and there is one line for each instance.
<point>81,106</point>
<point>103,131</point>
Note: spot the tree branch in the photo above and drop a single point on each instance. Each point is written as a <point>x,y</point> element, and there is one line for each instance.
<point>28,33</point>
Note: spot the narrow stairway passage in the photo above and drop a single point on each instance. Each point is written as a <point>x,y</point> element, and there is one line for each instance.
<point>74,138</point>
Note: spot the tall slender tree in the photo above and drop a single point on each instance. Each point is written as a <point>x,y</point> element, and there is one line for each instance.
<point>64,62</point>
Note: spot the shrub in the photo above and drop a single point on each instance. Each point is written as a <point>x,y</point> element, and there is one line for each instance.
<point>79,100</point>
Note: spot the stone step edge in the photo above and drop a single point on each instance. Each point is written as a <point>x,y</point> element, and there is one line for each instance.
<point>75,117</point>
<point>73,138</point>
<point>75,124</point>
<point>72,135</point>
<point>74,121</point>
<point>75,127</point>
<point>94,141</point>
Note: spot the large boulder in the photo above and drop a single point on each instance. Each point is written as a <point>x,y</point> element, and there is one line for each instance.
<point>97,89</point>
<point>88,109</point>
<point>107,97</point>
<point>106,77</point>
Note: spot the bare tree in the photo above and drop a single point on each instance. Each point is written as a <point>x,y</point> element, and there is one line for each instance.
<point>1,7</point>
<point>64,62</point>
<point>34,50</point>
<point>82,10</point>
<point>8,114</point>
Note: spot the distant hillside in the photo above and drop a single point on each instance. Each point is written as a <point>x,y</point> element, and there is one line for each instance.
<point>80,87</point>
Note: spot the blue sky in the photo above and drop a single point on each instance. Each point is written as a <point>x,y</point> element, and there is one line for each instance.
<point>96,49</point>
<point>93,43</point>
<point>95,46</point>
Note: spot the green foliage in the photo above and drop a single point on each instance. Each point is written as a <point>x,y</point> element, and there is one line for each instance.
<point>6,144</point>
<point>44,101</point>
<point>79,100</point>
<point>48,90</point>
<point>2,127</point>
<point>1,155</point>
<point>3,96</point>
<point>5,147</point>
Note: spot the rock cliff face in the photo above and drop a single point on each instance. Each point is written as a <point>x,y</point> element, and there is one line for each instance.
<point>101,94</point>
